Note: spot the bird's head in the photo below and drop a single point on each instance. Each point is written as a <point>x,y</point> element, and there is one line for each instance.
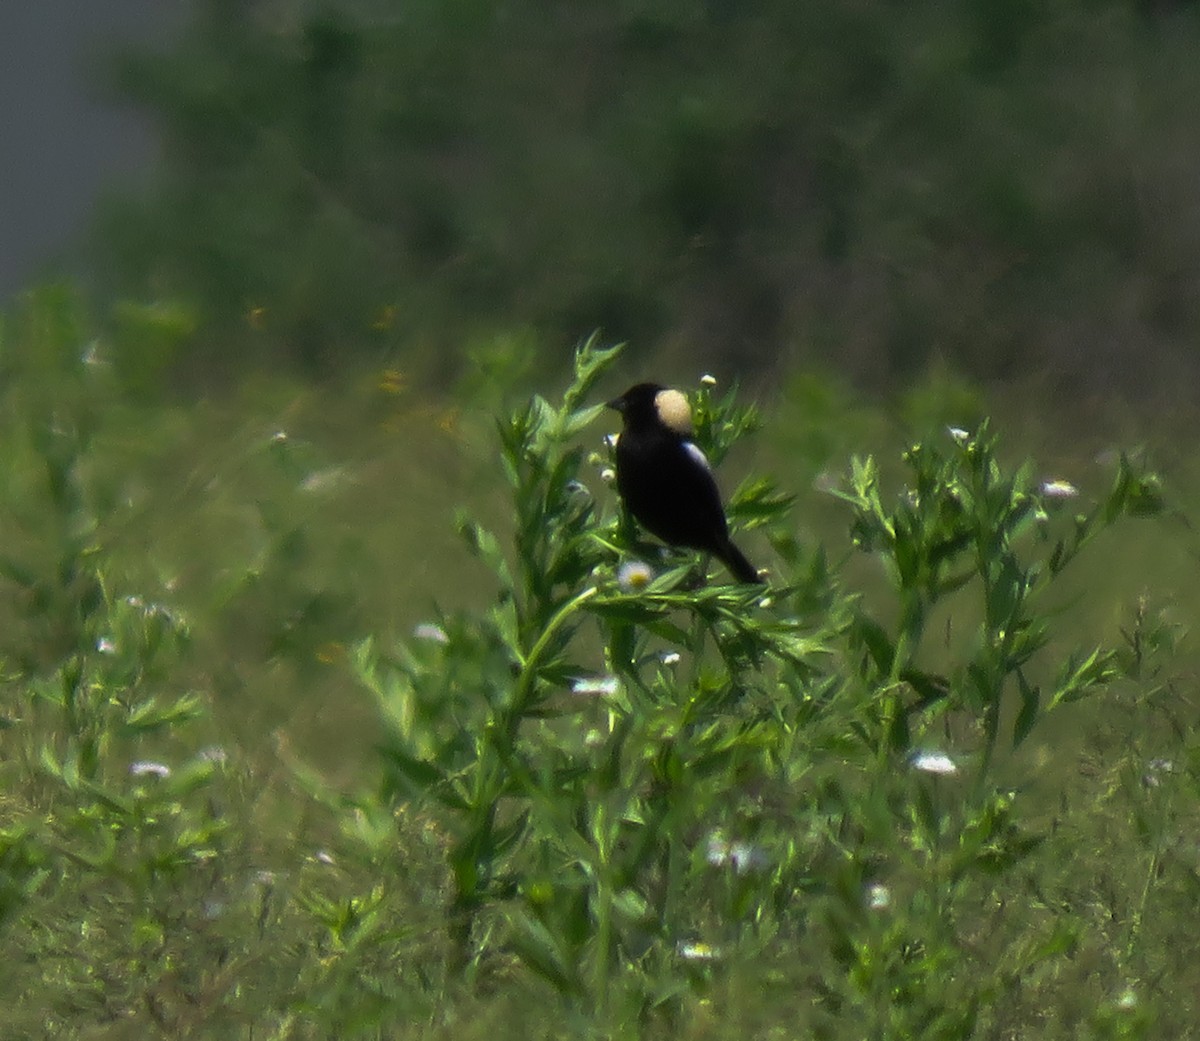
<point>649,403</point>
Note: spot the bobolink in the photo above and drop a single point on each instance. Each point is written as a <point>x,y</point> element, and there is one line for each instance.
<point>665,480</point>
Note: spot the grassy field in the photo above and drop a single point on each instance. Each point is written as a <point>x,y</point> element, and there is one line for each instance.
<point>292,749</point>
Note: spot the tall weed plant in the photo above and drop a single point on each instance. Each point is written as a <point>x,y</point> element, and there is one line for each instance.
<point>648,781</point>
<point>625,799</point>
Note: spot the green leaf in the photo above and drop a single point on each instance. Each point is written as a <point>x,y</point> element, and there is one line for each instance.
<point>591,362</point>
<point>877,643</point>
<point>483,544</point>
<point>147,716</point>
<point>632,906</point>
<point>1027,716</point>
<point>421,777</point>
<point>542,951</point>
<point>576,422</point>
<point>506,836</point>
<point>1078,677</point>
<point>109,799</point>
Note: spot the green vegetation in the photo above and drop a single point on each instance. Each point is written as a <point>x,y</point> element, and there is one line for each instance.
<point>353,707</point>
<point>938,781</point>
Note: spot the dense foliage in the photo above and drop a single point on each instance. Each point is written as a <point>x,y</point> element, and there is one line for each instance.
<point>614,798</point>
<point>1008,186</point>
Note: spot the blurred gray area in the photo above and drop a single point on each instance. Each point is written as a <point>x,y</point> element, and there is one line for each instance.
<point>61,140</point>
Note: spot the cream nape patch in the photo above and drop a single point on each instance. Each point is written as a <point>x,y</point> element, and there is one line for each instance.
<point>674,410</point>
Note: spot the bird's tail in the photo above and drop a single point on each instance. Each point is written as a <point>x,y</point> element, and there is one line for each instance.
<point>737,563</point>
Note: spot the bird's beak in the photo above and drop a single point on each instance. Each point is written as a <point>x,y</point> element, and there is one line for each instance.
<point>618,404</point>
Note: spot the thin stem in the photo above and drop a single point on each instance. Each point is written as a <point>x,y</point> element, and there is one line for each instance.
<point>525,681</point>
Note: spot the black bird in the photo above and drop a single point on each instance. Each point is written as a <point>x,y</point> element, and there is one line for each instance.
<point>665,480</point>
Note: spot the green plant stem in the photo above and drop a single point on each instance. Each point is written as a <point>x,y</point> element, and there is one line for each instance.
<point>496,749</point>
<point>1152,871</point>
<point>911,628</point>
<point>603,910</point>
<point>515,710</point>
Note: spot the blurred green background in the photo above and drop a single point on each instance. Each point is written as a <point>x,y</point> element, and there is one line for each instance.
<point>1007,189</point>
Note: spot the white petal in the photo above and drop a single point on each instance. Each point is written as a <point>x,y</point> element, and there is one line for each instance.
<point>935,763</point>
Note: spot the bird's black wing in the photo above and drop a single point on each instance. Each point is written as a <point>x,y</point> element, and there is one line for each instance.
<point>668,486</point>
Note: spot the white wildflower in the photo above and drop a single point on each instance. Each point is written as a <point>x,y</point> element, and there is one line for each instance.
<point>149,768</point>
<point>432,633</point>
<point>717,851</point>
<point>157,610</point>
<point>743,857</point>
<point>326,480</point>
<point>827,482</point>
<point>746,857</point>
<point>879,897</point>
<point>595,686</point>
<point>935,763</point>
<point>634,575</point>
<point>1152,778</point>
<point>1059,489</point>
